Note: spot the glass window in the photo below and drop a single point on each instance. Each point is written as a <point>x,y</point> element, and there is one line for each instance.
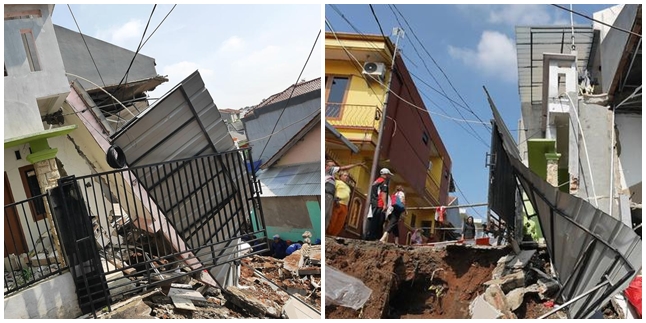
<point>32,189</point>
<point>337,88</point>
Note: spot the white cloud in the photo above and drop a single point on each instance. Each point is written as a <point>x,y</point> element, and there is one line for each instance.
<point>181,70</point>
<point>233,43</point>
<point>494,56</point>
<point>517,14</point>
<point>520,14</point>
<point>269,53</point>
<point>126,35</point>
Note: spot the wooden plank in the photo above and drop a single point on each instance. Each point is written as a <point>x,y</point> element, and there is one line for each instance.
<point>183,303</point>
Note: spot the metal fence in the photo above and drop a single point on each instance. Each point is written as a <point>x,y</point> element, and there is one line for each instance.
<point>128,230</point>
<point>29,250</point>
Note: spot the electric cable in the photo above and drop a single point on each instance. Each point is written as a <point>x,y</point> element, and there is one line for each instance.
<point>86,46</point>
<point>601,22</point>
<point>290,95</point>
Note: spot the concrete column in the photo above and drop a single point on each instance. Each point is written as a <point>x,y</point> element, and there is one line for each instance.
<point>48,175</point>
<point>552,168</point>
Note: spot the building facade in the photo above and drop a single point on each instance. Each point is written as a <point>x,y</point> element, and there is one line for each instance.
<point>581,109</point>
<point>357,73</point>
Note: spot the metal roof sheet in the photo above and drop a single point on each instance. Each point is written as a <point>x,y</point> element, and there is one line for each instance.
<point>594,255</point>
<point>293,180</point>
<point>532,42</point>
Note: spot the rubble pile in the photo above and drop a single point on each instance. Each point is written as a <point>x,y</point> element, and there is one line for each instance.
<point>39,262</point>
<point>521,287</point>
<point>268,288</point>
<point>453,281</point>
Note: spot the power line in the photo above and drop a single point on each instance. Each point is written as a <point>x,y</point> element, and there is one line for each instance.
<point>159,25</point>
<point>388,88</point>
<point>377,19</point>
<point>465,198</point>
<point>287,126</point>
<point>601,22</point>
<point>474,133</point>
<point>292,93</point>
<point>125,77</point>
<point>86,46</point>
<point>438,66</point>
<point>383,85</point>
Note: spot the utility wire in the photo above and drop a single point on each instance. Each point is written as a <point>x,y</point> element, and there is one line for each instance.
<point>437,65</point>
<point>377,19</point>
<point>125,76</point>
<point>465,197</point>
<point>443,93</point>
<point>601,22</point>
<point>86,46</point>
<point>292,93</point>
<point>159,25</point>
<point>388,88</point>
<point>287,126</point>
<point>383,85</point>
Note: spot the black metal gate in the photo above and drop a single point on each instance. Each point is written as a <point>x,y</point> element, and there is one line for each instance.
<point>128,230</point>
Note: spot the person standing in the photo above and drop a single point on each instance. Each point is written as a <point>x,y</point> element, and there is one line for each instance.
<point>468,229</point>
<point>340,208</point>
<point>330,186</point>
<point>398,200</point>
<point>378,204</point>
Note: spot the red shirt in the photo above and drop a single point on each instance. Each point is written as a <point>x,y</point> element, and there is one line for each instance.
<point>383,189</point>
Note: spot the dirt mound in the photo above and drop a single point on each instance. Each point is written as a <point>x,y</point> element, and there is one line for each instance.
<point>412,282</point>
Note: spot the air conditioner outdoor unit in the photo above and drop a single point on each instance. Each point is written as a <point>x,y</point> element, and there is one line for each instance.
<point>374,69</point>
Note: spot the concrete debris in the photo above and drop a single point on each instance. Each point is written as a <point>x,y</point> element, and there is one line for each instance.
<point>495,296</point>
<point>515,298</point>
<point>187,294</point>
<point>183,303</point>
<point>251,304</point>
<point>521,260</point>
<point>261,294</point>
<point>481,309</point>
<point>509,282</point>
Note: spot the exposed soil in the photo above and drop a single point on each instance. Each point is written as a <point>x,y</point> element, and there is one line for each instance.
<point>400,278</point>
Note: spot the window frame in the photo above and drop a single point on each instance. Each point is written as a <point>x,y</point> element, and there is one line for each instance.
<point>329,78</point>
<point>25,184</point>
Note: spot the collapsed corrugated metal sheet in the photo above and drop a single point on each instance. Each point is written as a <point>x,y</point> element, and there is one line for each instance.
<point>594,255</point>
<point>502,190</point>
<point>186,123</point>
<point>296,180</point>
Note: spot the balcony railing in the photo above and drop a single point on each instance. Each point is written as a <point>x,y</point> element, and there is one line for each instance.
<point>432,187</point>
<point>353,115</point>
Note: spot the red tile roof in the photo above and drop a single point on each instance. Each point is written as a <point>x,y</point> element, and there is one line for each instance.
<point>301,88</point>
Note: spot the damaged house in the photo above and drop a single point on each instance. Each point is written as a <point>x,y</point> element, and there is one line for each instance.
<point>576,170</point>
<point>82,231</point>
<point>290,160</point>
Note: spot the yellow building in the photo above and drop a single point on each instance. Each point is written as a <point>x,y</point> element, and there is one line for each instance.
<point>357,73</point>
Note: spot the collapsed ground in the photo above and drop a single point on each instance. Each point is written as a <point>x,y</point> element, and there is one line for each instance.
<point>426,282</point>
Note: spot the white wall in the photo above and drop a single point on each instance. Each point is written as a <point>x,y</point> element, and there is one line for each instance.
<point>22,86</point>
<point>52,299</point>
<point>629,137</point>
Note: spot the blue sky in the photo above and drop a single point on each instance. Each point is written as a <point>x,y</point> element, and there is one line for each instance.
<point>245,53</point>
<point>475,46</point>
